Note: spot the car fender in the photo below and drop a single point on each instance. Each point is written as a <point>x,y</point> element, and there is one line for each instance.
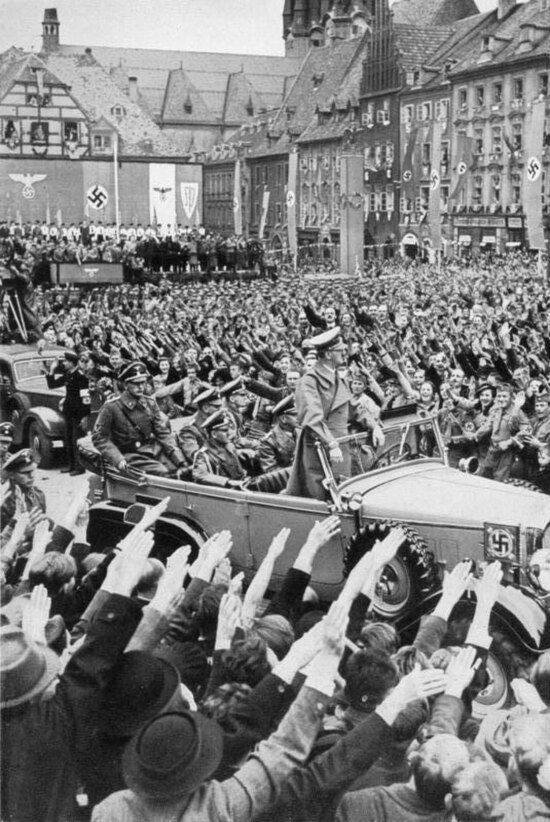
<point>50,420</point>
<point>515,613</point>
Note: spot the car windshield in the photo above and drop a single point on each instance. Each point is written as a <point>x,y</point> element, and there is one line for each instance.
<point>26,370</point>
<point>406,439</point>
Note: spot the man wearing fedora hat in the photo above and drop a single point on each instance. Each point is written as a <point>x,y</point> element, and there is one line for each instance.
<point>168,765</point>
<point>41,737</point>
<point>130,431</point>
<point>76,404</point>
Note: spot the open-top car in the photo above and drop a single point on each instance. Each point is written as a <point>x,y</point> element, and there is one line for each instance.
<point>27,402</point>
<point>449,516</point>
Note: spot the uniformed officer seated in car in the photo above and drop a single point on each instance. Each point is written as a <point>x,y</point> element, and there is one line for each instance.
<point>276,449</point>
<point>7,432</point>
<point>217,462</point>
<point>130,430</point>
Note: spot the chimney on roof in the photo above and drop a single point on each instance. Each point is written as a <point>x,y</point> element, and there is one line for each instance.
<point>133,93</point>
<point>50,30</point>
<point>505,7</point>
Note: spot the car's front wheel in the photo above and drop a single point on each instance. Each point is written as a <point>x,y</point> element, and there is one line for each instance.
<point>408,579</point>
<point>41,446</point>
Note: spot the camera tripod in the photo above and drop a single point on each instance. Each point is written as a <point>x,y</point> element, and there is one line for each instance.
<point>13,304</point>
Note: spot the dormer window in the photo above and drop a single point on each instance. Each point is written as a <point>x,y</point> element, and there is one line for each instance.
<point>118,111</point>
<point>188,105</point>
<point>416,77</point>
<point>250,107</point>
<point>318,79</point>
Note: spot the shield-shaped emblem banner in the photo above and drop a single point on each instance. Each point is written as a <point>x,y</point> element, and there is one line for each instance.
<point>189,195</point>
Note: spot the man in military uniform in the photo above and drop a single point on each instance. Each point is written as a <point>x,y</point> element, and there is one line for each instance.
<point>217,462</point>
<point>191,436</point>
<point>20,472</point>
<point>277,448</point>
<point>130,431</point>
<point>323,405</point>
<point>539,437</point>
<point>7,431</point>
<point>76,405</point>
<point>507,427</point>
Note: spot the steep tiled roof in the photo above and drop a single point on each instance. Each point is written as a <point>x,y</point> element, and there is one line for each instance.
<point>96,94</point>
<point>242,99</point>
<point>432,12</point>
<point>417,45</point>
<point>182,102</point>
<point>19,65</point>
<point>508,33</point>
<point>208,72</point>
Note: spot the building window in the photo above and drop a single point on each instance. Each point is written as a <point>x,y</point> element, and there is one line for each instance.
<point>516,189</point>
<point>372,201</point>
<point>444,157</point>
<point>517,135</point>
<point>424,197</point>
<point>390,198</point>
<point>478,189</point>
<point>408,114</point>
<point>496,140</point>
<point>497,93</point>
<point>117,111</point>
<point>442,109</point>
<point>480,96</point>
<point>389,154</point>
<point>496,182</point>
<point>478,141</point>
<point>518,88</point>
<point>462,98</point>
<point>427,111</point>
<point>39,132</point>
<point>444,196</point>
<point>426,153</point>
<point>102,142</point>
<point>383,201</point>
<point>278,213</point>
<point>33,98</point>
<point>419,112</point>
<point>543,84</point>
<point>416,77</point>
<point>70,131</point>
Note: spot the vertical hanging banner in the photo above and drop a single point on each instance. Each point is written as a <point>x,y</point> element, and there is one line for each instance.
<point>532,182</point>
<point>408,176</point>
<point>435,188</point>
<point>291,202</point>
<point>263,218</point>
<point>162,194</point>
<point>466,163</point>
<point>189,194</point>
<point>237,204</point>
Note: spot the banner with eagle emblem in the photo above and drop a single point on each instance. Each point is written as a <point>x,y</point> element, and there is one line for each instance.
<point>162,194</point>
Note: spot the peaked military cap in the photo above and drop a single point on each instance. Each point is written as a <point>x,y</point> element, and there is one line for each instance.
<point>219,419</point>
<point>133,372</point>
<point>285,406</point>
<point>207,396</point>
<point>70,356</point>
<point>233,387</point>
<point>325,341</point>
<point>20,460</point>
<point>7,430</point>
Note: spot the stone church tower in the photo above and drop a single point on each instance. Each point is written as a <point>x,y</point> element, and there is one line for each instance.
<point>311,23</point>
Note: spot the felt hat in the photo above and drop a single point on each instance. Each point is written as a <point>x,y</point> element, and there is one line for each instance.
<point>172,755</point>
<point>26,669</point>
<point>141,685</point>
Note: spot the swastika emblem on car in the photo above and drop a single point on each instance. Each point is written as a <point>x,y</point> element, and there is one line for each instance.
<point>500,543</point>
<point>97,196</point>
<point>534,169</point>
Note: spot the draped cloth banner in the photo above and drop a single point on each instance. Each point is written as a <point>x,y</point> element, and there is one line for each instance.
<point>162,194</point>
<point>237,205</point>
<point>532,181</point>
<point>435,188</point>
<point>263,218</point>
<point>291,202</point>
<point>466,163</point>
<point>408,186</point>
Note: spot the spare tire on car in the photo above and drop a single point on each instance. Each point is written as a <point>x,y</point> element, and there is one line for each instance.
<point>407,580</point>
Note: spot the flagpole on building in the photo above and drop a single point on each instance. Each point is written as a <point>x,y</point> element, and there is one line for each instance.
<point>115,162</point>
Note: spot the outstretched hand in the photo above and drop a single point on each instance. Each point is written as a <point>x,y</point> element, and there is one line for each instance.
<point>36,614</point>
<point>461,670</point>
<point>124,572</point>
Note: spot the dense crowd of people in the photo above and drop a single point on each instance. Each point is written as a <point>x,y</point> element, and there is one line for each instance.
<point>137,690</point>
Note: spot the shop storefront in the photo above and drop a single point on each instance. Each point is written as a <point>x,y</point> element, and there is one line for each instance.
<point>487,232</point>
